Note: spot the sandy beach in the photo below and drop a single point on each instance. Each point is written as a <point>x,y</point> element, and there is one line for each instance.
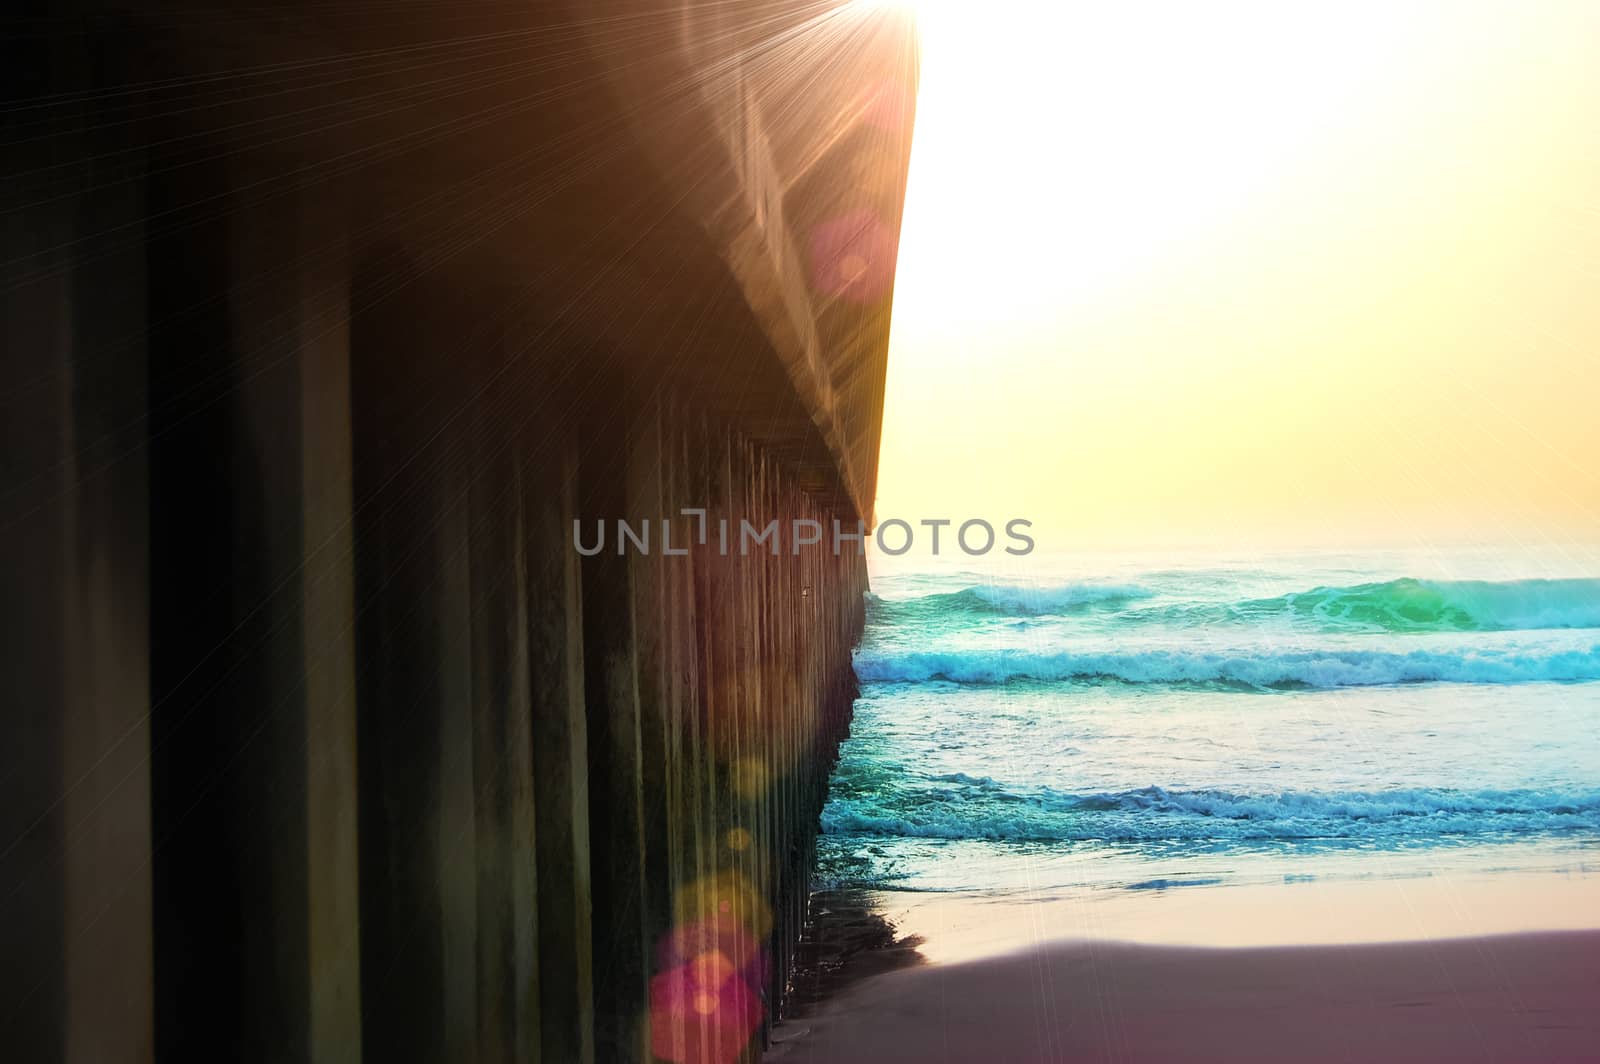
<point>1420,970</point>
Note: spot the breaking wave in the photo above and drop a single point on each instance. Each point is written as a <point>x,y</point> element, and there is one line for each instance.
<point>1404,605</point>
<point>981,809</point>
<point>1017,600</point>
<point>1433,606</point>
<point>1265,667</point>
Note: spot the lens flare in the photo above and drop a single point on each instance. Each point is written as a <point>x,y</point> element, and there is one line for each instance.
<point>853,256</point>
<point>705,1003</point>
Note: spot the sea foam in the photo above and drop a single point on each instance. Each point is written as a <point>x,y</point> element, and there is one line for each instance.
<point>1404,605</point>
<point>1156,813</point>
<point>1265,666</point>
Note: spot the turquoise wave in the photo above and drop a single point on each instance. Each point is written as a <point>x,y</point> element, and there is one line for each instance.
<point>1409,605</point>
<point>1010,601</point>
<point>1404,605</point>
<point>1260,667</point>
<point>960,807</point>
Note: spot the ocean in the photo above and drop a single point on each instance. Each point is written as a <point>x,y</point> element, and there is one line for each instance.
<point>1133,724</point>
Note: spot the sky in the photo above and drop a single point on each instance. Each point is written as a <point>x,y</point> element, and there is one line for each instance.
<point>1254,274</point>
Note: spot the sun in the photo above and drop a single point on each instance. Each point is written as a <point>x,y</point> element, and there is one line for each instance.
<point>1200,230</point>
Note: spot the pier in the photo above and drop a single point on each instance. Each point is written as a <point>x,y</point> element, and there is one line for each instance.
<point>324,324</point>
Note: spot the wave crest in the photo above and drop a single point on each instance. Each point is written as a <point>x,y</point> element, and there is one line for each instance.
<point>1155,813</point>
<point>1267,668</point>
<point>1015,600</point>
<point>1408,605</point>
<point>1404,605</point>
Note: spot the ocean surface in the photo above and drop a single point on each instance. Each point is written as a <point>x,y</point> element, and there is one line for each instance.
<point>1130,723</point>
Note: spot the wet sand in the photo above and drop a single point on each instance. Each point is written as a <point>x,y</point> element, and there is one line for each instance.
<point>1044,991</point>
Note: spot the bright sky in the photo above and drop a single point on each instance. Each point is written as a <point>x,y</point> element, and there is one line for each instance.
<point>1252,273</point>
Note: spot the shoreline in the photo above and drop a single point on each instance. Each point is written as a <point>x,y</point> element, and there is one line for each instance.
<point>1474,967</point>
